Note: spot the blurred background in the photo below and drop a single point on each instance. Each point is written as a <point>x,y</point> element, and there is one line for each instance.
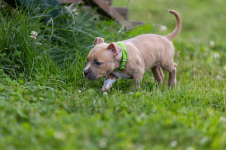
<point>203,20</point>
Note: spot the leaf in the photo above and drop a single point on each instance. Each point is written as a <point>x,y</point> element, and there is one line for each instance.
<point>21,114</point>
<point>17,53</point>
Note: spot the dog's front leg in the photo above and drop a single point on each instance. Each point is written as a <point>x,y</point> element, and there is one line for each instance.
<point>137,79</point>
<point>108,81</point>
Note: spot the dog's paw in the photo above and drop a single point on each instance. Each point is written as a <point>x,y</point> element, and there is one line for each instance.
<point>105,88</point>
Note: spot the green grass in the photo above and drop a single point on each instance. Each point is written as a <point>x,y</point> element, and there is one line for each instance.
<point>45,103</point>
<point>203,21</point>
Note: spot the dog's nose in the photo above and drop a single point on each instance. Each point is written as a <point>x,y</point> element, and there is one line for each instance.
<point>86,72</point>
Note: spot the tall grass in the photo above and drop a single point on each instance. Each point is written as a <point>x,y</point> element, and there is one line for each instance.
<point>58,52</point>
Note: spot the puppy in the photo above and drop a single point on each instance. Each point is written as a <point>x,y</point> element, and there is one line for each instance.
<point>129,59</point>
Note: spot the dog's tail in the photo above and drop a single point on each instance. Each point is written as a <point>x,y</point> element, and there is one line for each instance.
<point>178,26</point>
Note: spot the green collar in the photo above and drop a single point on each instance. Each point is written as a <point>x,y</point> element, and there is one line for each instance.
<point>124,56</point>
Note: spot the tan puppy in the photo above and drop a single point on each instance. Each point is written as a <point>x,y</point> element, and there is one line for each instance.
<point>147,51</point>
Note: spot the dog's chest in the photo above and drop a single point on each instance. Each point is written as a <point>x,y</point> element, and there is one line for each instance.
<point>122,75</point>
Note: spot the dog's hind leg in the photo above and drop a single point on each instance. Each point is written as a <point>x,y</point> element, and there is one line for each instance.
<point>172,76</point>
<point>158,74</point>
<point>170,66</point>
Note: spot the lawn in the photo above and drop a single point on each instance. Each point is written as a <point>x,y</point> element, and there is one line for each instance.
<point>45,103</point>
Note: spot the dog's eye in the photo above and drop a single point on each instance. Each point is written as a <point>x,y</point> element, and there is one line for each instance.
<point>98,63</point>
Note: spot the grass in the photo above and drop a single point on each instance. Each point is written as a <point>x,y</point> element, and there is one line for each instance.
<point>45,103</point>
<point>202,21</point>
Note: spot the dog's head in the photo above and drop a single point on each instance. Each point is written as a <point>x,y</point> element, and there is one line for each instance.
<point>101,60</point>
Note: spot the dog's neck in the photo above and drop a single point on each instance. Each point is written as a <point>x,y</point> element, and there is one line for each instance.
<point>118,61</point>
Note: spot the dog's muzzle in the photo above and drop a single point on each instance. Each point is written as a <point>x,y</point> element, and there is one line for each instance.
<point>86,73</point>
<point>89,74</point>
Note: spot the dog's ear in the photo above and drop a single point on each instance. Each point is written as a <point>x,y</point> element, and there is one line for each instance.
<point>114,49</point>
<point>98,40</point>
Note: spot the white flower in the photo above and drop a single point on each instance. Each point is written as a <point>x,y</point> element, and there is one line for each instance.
<point>105,93</point>
<point>59,135</point>
<point>37,43</point>
<point>204,140</point>
<point>33,35</point>
<point>173,143</point>
<point>140,147</point>
<point>163,28</point>
<point>216,55</point>
<point>219,77</point>
<point>131,93</point>
<point>79,91</point>
<point>222,119</point>
<point>190,148</point>
<point>212,44</point>
<point>103,143</point>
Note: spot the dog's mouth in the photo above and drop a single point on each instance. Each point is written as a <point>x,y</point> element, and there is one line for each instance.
<point>92,75</point>
<point>93,78</point>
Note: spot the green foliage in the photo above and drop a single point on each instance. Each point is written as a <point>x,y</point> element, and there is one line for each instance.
<point>57,53</point>
<point>45,103</point>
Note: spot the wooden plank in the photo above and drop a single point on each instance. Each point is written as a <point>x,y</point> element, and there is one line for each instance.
<point>69,1</point>
<point>109,2</point>
<point>134,23</point>
<point>124,11</point>
<point>106,10</point>
<point>120,14</point>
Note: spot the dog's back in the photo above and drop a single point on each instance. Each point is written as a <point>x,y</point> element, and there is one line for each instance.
<point>152,47</point>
